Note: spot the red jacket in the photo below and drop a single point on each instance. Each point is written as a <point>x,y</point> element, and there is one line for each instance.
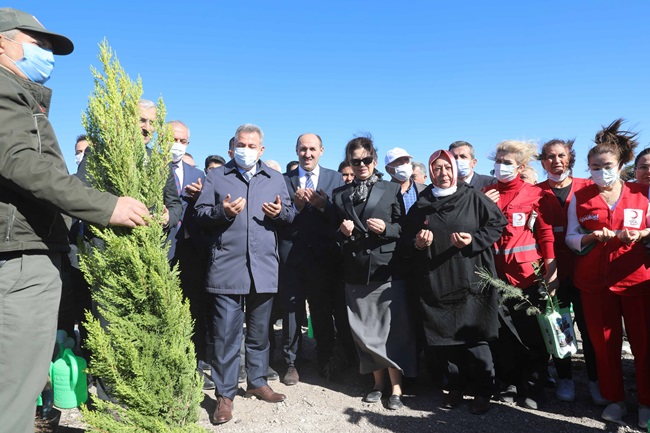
<point>613,265</point>
<point>553,216</point>
<point>520,246</point>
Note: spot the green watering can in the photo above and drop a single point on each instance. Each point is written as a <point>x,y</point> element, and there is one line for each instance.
<point>69,380</point>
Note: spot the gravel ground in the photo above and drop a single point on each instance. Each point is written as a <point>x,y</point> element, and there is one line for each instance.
<point>318,405</point>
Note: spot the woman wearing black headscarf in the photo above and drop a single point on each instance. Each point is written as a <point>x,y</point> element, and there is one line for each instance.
<point>448,235</point>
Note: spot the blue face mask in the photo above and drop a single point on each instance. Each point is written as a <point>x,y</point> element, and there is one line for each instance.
<point>37,63</point>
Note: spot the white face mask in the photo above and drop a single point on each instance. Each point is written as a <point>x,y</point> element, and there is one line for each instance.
<point>505,173</point>
<point>178,150</point>
<point>78,158</point>
<point>245,157</point>
<point>463,167</point>
<point>558,177</point>
<point>604,177</point>
<point>402,172</point>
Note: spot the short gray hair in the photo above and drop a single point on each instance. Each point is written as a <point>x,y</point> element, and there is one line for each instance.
<point>419,165</point>
<point>145,103</point>
<point>11,34</point>
<point>180,122</point>
<point>250,128</point>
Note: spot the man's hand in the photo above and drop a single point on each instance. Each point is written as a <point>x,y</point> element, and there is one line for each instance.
<point>376,225</point>
<point>193,190</point>
<point>232,209</point>
<point>128,212</point>
<point>347,227</point>
<point>272,210</point>
<point>165,215</point>
<point>461,239</point>
<point>300,199</point>
<point>318,199</point>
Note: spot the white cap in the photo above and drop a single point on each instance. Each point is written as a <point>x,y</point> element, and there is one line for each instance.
<point>395,153</point>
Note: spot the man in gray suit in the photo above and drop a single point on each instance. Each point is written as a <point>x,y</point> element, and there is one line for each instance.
<point>466,161</point>
<point>310,262</point>
<point>398,165</point>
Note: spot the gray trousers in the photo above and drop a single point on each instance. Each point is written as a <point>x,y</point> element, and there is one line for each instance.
<point>30,291</point>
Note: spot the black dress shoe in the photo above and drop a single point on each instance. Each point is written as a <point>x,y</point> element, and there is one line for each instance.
<point>291,377</point>
<point>479,405</point>
<point>207,381</point>
<point>373,396</point>
<point>453,399</point>
<point>395,402</point>
<point>241,378</point>
<point>272,374</point>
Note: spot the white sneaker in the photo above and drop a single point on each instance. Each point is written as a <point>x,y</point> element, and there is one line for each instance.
<point>615,412</point>
<point>596,397</point>
<point>644,416</point>
<point>565,390</point>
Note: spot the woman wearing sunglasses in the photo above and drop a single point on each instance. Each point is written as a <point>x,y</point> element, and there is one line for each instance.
<point>368,214</point>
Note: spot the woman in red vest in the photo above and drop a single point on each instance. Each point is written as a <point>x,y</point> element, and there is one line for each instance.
<point>519,353</point>
<point>607,223</point>
<point>558,158</point>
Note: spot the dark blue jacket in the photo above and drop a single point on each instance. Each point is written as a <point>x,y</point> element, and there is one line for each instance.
<point>243,249</point>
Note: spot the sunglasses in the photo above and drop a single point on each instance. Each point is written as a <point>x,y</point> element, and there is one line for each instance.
<point>366,161</point>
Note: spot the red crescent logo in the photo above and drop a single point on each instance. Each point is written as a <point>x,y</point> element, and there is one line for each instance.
<point>635,214</point>
<point>519,217</point>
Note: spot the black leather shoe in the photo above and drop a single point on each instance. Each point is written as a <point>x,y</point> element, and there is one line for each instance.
<point>241,378</point>
<point>395,402</point>
<point>453,399</point>
<point>479,405</point>
<point>373,396</point>
<point>272,374</point>
<point>207,381</point>
<point>291,377</point>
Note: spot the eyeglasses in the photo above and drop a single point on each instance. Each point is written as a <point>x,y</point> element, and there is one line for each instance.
<point>366,161</point>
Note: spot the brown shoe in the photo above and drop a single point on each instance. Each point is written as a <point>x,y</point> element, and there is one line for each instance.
<point>291,377</point>
<point>266,393</point>
<point>223,412</point>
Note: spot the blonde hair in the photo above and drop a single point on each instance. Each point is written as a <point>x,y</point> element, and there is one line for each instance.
<point>524,151</point>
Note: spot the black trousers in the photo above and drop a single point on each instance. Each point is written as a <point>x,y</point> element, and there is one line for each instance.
<point>325,294</point>
<point>192,264</point>
<point>469,365</point>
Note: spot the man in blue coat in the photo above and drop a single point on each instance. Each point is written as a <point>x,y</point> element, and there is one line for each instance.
<point>241,207</point>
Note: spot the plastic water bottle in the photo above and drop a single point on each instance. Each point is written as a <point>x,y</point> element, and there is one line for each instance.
<point>47,397</point>
<point>310,329</point>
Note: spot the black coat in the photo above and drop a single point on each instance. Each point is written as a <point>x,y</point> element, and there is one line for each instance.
<point>455,308</point>
<point>368,256</point>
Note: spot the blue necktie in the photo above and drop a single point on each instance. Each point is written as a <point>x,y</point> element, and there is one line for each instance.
<point>178,181</point>
<point>309,184</point>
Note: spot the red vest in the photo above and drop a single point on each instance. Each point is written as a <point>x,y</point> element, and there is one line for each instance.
<point>555,215</point>
<point>517,249</point>
<point>613,265</point>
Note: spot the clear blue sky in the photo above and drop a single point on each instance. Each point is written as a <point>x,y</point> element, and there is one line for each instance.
<point>417,75</point>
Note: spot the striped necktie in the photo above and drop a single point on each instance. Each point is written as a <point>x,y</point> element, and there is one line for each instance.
<point>176,179</point>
